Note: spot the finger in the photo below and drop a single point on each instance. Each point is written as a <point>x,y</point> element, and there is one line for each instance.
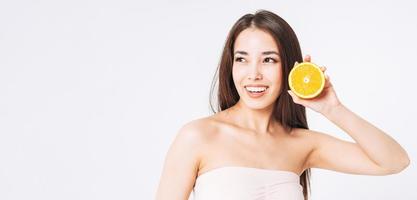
<point>294,97</point>
<point>307,58</point>
<point>323,68</point>
<point>327,81</point>
<point>291,94</point>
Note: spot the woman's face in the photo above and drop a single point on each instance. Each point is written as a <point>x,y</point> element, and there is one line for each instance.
<point>256,61</point>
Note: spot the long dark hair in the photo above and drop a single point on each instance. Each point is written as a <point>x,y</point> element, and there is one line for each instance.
<point>289,114</point>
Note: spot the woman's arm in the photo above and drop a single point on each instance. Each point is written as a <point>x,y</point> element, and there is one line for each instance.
<point>380,147</point>
<point>374,153</point>
<point>181,165</point>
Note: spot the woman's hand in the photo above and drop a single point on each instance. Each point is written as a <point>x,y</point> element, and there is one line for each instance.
<point>326,100</point>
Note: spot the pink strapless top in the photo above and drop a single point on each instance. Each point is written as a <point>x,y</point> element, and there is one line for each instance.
<point>247,183</point>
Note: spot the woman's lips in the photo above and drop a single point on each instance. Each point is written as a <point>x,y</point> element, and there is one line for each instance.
<point>256,94</point>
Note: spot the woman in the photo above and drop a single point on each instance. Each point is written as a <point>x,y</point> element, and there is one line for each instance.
<point>260,147</point>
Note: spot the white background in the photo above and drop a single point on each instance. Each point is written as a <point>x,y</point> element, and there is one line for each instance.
<point>92,93</point>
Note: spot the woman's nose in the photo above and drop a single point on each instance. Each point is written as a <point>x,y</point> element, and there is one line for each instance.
<point>255,72</point>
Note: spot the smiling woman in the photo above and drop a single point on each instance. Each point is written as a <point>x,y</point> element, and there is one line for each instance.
<point>258,145</point>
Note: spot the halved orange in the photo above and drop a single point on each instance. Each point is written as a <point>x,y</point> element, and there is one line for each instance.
<point>306,80</point>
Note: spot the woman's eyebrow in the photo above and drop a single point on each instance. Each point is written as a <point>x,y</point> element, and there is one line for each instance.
<point>241,52</point>
<point>270,52</point>
<point>263,53</point>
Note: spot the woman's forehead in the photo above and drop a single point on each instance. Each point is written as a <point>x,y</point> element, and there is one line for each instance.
<point>255,41</point>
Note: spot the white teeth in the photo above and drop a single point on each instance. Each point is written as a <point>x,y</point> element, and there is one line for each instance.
<point>256,89</point>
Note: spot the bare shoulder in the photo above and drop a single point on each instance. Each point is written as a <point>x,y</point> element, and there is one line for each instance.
<point>196,135</point>
<point>307,139</point>
<point>303,135</point>
<point>182,161</point>
<point>306,134</point>
<point>310,137</point>
<point>197,131</point>
<point>313,137</point>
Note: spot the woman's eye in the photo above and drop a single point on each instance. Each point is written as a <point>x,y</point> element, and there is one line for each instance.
<point>239,59</point>
<point>270,59</point>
